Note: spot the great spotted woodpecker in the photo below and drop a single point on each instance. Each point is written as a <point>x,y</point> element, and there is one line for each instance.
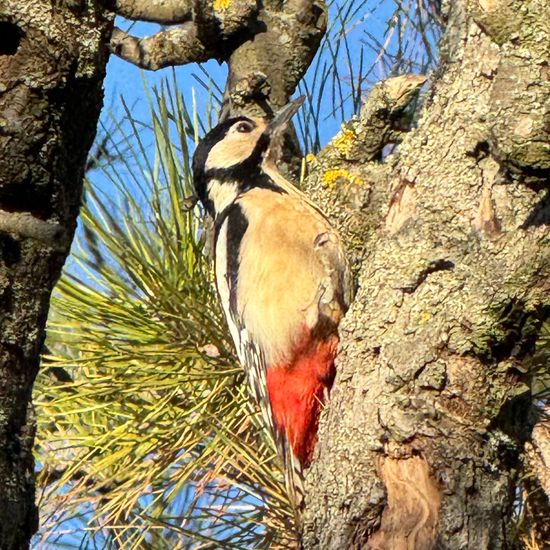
<point>282,277</point>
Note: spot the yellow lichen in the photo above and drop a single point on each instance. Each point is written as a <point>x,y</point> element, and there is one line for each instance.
<point>310,158</point>
<point>330,177</point>
<point>344,141</point>
<point>425,317</point>
<point>221,5</point>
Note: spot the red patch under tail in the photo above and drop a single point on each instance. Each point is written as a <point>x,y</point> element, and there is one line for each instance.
<point>297,392</point>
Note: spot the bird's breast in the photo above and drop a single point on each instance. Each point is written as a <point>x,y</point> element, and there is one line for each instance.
<point>279,274</point>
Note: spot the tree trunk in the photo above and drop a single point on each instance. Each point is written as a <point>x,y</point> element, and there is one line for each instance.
<point>422,444</point>
<point>52,64</point>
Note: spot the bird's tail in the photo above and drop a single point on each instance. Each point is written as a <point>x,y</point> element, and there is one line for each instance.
<point>297,391</point>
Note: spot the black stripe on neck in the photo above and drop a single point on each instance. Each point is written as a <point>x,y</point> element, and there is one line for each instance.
<point>245,181</point>
<point>248,173</point>
<point>237,224</point>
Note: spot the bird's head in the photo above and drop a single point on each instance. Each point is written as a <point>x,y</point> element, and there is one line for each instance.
<point>229,158</point>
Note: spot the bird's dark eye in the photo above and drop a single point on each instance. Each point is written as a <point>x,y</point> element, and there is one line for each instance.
<point>244,127</point>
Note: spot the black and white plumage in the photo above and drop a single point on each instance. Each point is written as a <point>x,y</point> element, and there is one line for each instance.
<point>282,277</point>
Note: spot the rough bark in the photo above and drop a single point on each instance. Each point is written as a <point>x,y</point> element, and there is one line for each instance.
<point>52,63</point>
<point>423,441</point>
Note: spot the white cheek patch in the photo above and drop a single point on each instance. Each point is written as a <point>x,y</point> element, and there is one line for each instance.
<point>229,152</point>
<point>233,149</point>
<point>222,194</point>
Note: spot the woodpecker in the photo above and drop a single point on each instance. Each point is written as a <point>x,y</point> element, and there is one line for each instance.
<point>282,277</point>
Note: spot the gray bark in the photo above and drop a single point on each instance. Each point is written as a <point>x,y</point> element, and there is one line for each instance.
<point>268,46</point>
<point>52,63</point>
<point>422,444</point>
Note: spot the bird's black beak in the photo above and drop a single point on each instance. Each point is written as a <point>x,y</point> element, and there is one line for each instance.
<point>282,117</point>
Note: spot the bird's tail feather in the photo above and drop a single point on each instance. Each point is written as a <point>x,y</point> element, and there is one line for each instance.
<point>297,392</point>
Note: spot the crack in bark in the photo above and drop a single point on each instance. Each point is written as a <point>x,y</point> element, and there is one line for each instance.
<point>10,38</point>
<point>433,267</point>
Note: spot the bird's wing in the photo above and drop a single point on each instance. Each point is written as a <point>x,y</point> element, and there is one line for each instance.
<point>335,282</point>
<point>251,355</point>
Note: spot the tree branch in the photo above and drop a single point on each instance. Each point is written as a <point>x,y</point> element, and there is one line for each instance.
<point>268,49</point>
<point>346,179</point>
<point>210,30</point>
<point>380,120</point>
<point>25,225</point>
<point>176,46</point>
<point>285,41</point>
<point>380,123</point>
<point>157,11</point>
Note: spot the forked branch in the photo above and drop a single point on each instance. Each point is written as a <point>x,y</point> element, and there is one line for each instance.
<point>268,46</point>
